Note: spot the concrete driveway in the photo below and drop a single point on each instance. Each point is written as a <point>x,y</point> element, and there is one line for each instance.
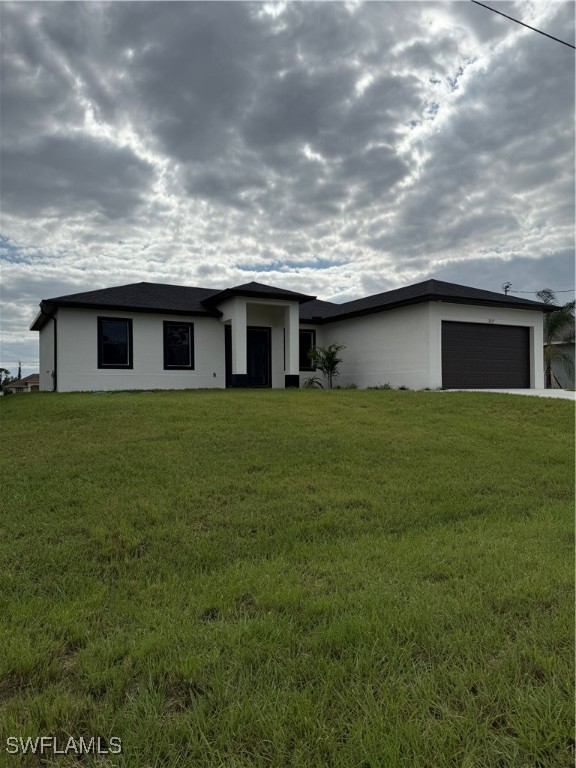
<point>562,394</point>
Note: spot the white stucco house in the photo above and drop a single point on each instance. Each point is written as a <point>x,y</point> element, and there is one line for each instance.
<point>155,336</point>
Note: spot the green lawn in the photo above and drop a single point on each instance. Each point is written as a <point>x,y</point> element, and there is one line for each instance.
<point>308,578</point>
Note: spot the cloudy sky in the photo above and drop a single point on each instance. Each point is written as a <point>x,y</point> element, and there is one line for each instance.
<point>339,149</point>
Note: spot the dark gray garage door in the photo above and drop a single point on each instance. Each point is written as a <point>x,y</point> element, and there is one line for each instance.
<point>478,356</point>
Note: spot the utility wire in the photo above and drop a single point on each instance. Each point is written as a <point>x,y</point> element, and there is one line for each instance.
<point>569,290</point>
<point>534,30</point>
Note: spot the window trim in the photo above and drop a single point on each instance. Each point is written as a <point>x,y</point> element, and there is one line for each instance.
<point>310,367</point>
<point>115,366</point>
<point>190,327</point>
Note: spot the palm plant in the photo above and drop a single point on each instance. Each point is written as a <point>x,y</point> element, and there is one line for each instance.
<point>558,330</point>
<point>326,360</point>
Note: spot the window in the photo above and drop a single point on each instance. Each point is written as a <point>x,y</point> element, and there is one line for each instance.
<point>307,342</point>
<point>114,342</point>
<point>179,346</point>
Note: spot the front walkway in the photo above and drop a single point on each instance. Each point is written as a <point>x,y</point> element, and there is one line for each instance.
<point>558,393</point>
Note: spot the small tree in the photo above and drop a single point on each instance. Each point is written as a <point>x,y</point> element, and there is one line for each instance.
<point>5,378</point>
<point>326,360</point>
<point>558,329</point>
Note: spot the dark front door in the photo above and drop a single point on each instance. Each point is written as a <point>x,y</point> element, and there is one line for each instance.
<point>258,358</point>
<point>228,354</point>
<point>485,356</point>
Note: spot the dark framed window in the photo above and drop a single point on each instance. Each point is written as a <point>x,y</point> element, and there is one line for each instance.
<point>114,342</point>
<point>178,346</point>
<point>307,342</point>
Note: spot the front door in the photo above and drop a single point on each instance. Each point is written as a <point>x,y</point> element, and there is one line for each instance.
<point>258,357</point>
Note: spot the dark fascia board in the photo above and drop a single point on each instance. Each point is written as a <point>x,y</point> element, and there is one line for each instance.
<point>432,297</point>
<point>49,307</point>
<point>39,322</point>
<point>47,312</point>
<point>218,298</point>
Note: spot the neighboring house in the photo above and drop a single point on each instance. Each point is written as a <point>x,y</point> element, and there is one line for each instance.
<point>155,336</point>
<point>27,384</point>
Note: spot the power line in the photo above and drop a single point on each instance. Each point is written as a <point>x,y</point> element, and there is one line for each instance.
<point>569,290</point>
<point>534,30</point>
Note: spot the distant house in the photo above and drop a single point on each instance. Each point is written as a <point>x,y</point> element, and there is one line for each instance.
<point>155,336</point>
<point>27,384</point>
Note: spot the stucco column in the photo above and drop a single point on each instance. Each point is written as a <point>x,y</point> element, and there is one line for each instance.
<point>537,353</point>
<point>238,315</point>
<point>434,347</point>
<point>292,326</point>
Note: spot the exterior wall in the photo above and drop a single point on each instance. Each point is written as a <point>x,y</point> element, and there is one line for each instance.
<point>280,316</point>
<point>386,347</point>
<point>401,346</point>
<point>24,389</point>
<point>47,357</point>
<point>404,346</point>
<point>468,313</point>
<point>78,354</point>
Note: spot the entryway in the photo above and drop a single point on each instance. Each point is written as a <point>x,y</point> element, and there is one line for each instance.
<point>258,357</point>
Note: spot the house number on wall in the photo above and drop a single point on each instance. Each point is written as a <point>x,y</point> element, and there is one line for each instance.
<point>490,319</point>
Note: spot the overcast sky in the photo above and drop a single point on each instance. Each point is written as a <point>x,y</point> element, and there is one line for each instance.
<point>339,149</point>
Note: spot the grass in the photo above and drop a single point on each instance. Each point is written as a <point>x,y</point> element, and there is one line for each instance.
<point>289,578</point>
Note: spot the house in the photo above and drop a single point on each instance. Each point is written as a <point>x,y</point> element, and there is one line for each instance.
<point>27,384</point>
<point>156,336</point>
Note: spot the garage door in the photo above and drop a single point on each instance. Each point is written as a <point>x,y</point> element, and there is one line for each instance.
<point>485,356</point>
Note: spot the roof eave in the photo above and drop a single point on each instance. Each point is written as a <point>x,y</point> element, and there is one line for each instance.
<point>44,315</point>
<point>535,307</point>
<point>218,298</point>
<point>151,310</point>
<point>38,323</point>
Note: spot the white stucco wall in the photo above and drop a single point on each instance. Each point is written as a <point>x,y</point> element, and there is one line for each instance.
<point>400,346</point>
<point>78,353</point>
<point>280,316</point>
<point>47,357</point>
<point>387,347</point>
<point>404,346</point>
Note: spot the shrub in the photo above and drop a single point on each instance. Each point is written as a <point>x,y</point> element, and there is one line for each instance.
<point>386,385</point>
<point>326,360</point>
<point>312,383</point>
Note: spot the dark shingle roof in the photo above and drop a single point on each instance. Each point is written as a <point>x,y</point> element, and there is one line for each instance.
<point>256,290</point>
<point>137,297</point>
<point>312,310</point>
<point>428,290</point>
<point>184,300</point>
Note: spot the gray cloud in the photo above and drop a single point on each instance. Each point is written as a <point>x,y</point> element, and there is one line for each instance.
<point>78,174</point>
<point>334,148</point>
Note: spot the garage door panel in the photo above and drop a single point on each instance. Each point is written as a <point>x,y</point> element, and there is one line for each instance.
<point>476,355</point>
